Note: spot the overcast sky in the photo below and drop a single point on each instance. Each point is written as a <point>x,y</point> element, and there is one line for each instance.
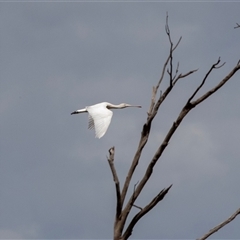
<point>55,181</point>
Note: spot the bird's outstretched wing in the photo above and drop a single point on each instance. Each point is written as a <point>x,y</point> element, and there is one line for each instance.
<point>90,122</point>
<point>99,119</point>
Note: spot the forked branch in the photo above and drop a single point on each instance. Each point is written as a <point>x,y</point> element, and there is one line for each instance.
<point>144,211</point>
<point>169,58</point>
<point>214,66</point>
<point>218,86</point>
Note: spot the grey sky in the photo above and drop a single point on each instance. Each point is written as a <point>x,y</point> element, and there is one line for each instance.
<point>55,181</point>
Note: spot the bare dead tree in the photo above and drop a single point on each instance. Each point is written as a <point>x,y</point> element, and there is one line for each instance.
<point>122,210</point>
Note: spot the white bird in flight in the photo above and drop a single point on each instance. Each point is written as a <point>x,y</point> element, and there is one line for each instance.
<point>100,116</point>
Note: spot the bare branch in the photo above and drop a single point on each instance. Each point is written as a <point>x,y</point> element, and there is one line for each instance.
<point>214,66</point>
<point>144,211</point>
<point>115,179</point>
<point>238,25</point>
<point>170,71</point>
<point>152,112</point>
<point>154,92</point>
<point>221,225</point>
<point>213,90</point>
<point>167,30</point>
<point>185,110</point>
<point>179,40</point>
<point>172,48</point>
<point>183,75</point>
<point>157,155</point>
<point>167,91</point>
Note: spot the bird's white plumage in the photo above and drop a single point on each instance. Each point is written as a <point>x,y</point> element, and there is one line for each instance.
<point>99,119</point>
<point>100,116</point>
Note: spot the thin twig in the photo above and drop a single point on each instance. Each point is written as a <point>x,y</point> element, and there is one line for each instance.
<point>134,205</point>
<point>183,75</point>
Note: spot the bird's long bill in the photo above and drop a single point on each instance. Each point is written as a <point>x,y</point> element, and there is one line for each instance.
<point>75,112</point>
<point>79,111</point>
<point>135,106</point>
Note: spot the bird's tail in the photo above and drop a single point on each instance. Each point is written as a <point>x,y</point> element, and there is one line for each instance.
<point>79,111</point>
